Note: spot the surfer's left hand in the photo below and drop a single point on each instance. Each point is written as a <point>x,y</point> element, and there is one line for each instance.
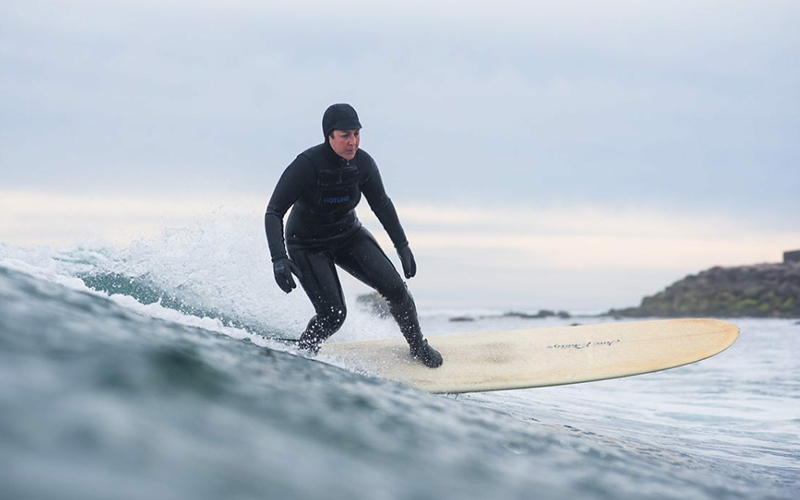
<point>407,259</point>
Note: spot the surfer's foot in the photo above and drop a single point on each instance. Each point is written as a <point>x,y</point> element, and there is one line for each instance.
<point>429,356</point>
<point>312,345</point>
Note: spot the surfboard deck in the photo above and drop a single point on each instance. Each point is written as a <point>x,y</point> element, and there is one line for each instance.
<point>541,357</point>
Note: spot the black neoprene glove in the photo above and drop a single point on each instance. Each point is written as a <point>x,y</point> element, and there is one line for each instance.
<point>283,269</point>
<point>407,259</point>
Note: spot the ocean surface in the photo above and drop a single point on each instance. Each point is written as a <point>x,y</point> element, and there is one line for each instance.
<point>152,372</point>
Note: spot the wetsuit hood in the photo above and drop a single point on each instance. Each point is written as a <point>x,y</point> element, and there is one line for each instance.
<point>339,117</point>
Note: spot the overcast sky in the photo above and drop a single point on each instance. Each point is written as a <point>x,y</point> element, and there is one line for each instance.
<point>559,131</point>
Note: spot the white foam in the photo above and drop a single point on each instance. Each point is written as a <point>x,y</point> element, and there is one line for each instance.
<point>219,262</point>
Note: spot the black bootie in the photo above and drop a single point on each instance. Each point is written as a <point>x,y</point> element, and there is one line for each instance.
<point>310,344</point>
<point>429,356</point>
<point>405,313</point>
<point>319,329</point>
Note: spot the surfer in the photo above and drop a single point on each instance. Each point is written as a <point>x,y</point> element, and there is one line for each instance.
<point>323,185</point>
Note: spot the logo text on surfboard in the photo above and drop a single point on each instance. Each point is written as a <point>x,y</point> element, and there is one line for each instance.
<point>584,345</point>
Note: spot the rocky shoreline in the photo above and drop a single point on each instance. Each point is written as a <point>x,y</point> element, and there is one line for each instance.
<point>756,291</point>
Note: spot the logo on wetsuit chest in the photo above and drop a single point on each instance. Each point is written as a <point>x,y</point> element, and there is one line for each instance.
<point>338,186</point>
<point>331,200</point>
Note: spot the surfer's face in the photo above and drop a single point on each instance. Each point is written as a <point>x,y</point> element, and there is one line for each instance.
<point>345,143</point>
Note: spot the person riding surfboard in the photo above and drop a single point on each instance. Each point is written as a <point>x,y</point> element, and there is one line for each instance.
<point>323,186</point>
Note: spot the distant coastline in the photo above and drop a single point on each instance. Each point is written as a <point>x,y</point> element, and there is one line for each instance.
<point>757,291</point>
<point>754,291</point>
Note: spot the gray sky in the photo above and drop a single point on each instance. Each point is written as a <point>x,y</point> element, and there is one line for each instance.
<point>681,113</point>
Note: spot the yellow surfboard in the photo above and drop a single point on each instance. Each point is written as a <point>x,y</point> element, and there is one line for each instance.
<point>541,357</point>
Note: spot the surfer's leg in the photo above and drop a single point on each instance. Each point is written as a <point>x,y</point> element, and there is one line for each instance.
<point>365,260</point>
<point>321,284</point>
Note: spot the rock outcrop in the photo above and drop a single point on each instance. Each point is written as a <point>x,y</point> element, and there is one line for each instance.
<point>763,290</point>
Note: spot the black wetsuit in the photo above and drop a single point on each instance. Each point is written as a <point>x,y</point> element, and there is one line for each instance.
<point>323,231</point>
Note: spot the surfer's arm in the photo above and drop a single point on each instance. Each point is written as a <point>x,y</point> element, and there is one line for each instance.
<point>289,188</point>
<point>273,224</point>
<point>382,206</point>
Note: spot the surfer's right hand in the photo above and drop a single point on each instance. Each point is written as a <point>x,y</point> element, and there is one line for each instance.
<point>283,269</point>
